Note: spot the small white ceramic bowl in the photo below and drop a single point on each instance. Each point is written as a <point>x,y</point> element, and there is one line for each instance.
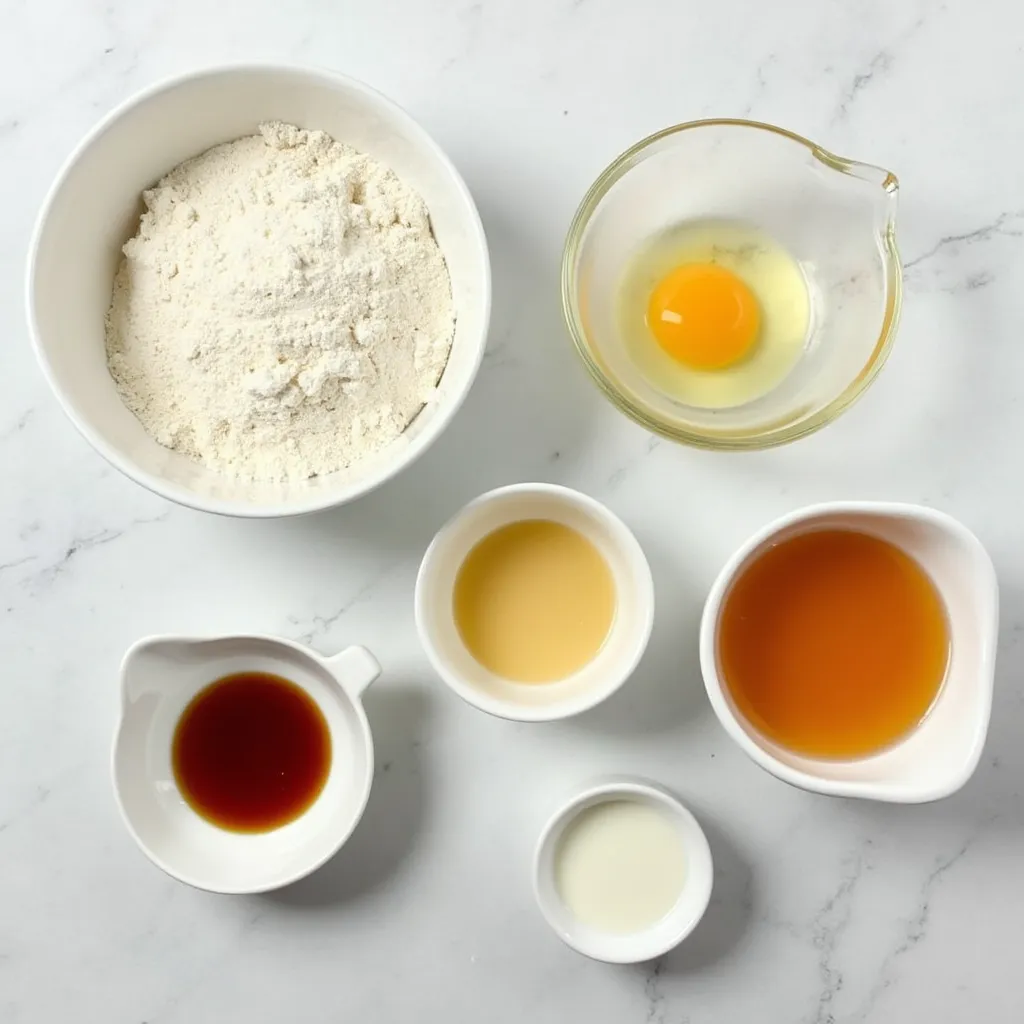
<point>159,676</point>
<point>93,208</point>
<point>599,678</point>
<point>940,755</point>
<point>671,929</point>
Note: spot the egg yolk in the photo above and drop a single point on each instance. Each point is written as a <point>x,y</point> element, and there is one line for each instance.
<point>704,316</point>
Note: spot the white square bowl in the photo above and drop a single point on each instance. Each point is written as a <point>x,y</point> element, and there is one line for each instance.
<point>940,755</point>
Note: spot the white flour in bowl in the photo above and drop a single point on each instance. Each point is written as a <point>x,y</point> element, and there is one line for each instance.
<point>283,310</point>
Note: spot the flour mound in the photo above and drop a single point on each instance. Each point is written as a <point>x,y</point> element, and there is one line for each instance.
<point>283,310</point>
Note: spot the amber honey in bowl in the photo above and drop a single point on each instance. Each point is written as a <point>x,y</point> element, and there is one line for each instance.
<point>833,643</point>
<point>251,752</point>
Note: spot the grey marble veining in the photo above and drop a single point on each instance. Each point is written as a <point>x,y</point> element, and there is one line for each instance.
<point>824,912</point>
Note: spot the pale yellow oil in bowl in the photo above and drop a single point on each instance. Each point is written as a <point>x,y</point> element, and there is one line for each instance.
<point>534,601</point>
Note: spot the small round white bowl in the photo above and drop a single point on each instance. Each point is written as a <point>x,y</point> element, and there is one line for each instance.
<point>670,930</point>
<point>159,676</point>
<point>93,208</point>
<point>940,755</point>
<point>599,678</point>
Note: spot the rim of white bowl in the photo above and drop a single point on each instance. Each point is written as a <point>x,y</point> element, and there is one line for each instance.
<point>185,877</point>
<point>624,538</point>
<point>157,484</point>
<point>715,686</point>
<point>637,947</point>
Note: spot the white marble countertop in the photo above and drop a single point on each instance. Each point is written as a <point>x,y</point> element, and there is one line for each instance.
<point>824,910</point>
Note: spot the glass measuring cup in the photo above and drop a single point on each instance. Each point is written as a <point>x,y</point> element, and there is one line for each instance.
<point>835,217</point>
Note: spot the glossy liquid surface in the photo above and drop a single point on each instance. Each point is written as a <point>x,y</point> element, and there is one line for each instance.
<point>620,866</point>
<point>719,276</point>
<point>534,601</point>
<point>833,643</point>
<point>251,752</point>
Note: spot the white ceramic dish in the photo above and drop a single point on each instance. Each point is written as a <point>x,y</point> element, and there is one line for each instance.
<point>940,755</point>
<point>93,208</point>
<point>159,676</point>
<point>671,929</point>
<point>626,641</point>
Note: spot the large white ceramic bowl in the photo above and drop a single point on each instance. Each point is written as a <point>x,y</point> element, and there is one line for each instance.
<point>94,206</point>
